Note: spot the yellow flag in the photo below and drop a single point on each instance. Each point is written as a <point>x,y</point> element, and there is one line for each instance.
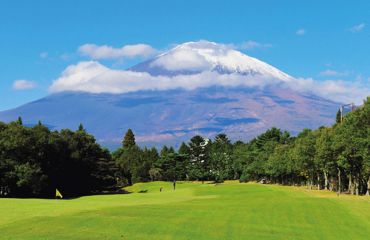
<point>58,194</point>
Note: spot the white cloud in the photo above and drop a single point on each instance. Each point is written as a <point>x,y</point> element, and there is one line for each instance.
<point>108,52</point>
<point>333,73</point>
<point>94,77</point>
<point>301,32</point>
<point>336,90</point>
<point>250,45</point>
<point>191,56</point>
<point>23,84</point>
<point>44,55</point>
<point>182,59</point>
<point>357,28</point>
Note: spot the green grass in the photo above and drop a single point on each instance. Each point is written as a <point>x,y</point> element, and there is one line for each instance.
<point>193,211</point>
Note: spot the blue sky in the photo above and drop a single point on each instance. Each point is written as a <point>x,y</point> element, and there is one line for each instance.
<point>316,39</point>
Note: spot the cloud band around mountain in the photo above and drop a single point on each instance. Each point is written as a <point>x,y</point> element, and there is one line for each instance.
<point>93,77</point>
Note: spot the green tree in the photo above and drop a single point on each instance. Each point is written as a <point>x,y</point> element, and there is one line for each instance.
<point>198,167</point>
<point>220,158</point>
<point>338,117</point>
<point>127,160</point>
<point>129,139</point>
<point>324,156</point>
<point>277,166</point>
<point>239,157</point>
<point>20,121</point>
<point>303,153</point>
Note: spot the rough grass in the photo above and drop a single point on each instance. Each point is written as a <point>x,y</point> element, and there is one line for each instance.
<point>194,211</point>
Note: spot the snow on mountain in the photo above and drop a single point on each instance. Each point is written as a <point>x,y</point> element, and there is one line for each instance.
<point>195,57</point>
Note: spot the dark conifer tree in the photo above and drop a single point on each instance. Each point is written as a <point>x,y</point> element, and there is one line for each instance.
<point>338,117</point>
<point>129,139</point>
<point>20,121</point>
<point>81,127</point>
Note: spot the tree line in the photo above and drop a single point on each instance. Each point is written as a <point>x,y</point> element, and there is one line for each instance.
<point>34,161</point>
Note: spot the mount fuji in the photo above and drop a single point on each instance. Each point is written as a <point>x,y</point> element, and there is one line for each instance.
<point>194,88</point>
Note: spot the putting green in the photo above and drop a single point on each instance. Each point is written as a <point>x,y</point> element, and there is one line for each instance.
<point>194,211</point>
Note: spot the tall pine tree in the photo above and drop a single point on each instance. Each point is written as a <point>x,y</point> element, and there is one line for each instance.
<point>129,139</point>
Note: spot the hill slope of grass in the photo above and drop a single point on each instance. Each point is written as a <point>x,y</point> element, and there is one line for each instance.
<point>193,211</point>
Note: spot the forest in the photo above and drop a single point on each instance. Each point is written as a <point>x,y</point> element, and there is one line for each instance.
<point>34,161</point>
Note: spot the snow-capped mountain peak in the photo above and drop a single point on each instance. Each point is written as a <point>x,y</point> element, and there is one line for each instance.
<point>196,57</point>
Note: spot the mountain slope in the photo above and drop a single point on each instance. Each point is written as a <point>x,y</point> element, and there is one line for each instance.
<point>168,117</point>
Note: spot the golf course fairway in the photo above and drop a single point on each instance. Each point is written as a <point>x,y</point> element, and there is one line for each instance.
<point>193,211</point>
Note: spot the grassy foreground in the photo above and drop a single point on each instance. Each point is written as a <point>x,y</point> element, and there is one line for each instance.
<point>194,211</point>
